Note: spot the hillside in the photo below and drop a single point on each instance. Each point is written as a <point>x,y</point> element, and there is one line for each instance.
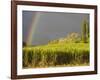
<point>68,51</point>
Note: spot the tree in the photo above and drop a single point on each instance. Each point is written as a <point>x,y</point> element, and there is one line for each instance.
<point>85,31</point>
<point>24,44</point>
<point>53,42</point>
<point>73,37</point>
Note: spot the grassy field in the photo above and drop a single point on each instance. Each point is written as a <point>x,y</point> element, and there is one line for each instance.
<point>53,55</point>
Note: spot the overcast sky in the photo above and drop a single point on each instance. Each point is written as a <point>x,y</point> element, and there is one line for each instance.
<point>50,25</point>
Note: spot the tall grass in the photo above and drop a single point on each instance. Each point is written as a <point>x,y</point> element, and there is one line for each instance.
<point>56,55</point>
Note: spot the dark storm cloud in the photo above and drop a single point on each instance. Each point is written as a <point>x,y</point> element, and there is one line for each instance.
<point>52,25</point>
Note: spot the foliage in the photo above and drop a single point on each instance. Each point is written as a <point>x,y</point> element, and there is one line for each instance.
<point>53,42</point>
<point>56,54</point>
<point>71,38</point>
<point>85,31</point>
<point>24,44</point>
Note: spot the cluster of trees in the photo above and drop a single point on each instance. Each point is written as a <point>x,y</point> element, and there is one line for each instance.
<point>72,37</point>
<point>75,37</point>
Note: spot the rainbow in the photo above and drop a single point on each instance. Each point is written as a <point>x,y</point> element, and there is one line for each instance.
<point>33,27</point>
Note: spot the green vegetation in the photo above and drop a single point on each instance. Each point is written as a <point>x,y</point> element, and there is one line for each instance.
<point>56,54</point>
<point>72,50</point>
<point>85,31</point>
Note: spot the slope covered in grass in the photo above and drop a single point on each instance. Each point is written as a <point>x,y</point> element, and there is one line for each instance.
<point>60,54</point>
